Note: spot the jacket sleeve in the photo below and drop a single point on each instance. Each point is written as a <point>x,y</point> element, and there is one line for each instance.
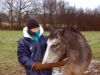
<point>23,58</point>
<point>45,38</point>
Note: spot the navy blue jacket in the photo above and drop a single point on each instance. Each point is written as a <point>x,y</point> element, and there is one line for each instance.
<point>30,52</point>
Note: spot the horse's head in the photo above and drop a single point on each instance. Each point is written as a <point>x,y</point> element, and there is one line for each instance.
<point>55,47</point>
<point>68,43</point>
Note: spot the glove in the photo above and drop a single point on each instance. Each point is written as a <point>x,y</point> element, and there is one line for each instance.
<point>36,65</point>
<point>40,66</point>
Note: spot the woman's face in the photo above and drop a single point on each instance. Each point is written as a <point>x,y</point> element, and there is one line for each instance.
<point>35,30</point>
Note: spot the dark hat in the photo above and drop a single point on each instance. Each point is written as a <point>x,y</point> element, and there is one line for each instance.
<point>32,24</point>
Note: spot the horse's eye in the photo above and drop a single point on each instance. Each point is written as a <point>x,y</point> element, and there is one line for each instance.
<point>55,46</point>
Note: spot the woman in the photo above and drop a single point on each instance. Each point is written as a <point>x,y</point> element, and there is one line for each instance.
<point>31,48</point>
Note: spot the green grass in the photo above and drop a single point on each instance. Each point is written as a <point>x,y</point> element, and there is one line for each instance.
<point>8,49</point>
<point>93,39</point>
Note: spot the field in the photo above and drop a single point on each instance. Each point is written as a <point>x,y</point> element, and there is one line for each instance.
<point>8,50</point>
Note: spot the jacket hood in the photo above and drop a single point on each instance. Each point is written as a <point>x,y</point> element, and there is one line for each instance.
<point>26,34</point>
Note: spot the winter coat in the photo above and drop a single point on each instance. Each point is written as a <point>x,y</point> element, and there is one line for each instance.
<point>30,51</point>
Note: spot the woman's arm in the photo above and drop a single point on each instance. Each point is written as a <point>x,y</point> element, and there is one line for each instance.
<point>22,55</point>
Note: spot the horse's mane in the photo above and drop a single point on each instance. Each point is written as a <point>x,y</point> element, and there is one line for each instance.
<point>72,35</point>
<point>64,31</point>
<point>72,29</point>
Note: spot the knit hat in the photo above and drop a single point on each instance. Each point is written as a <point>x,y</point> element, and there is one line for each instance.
<point>32,24</point>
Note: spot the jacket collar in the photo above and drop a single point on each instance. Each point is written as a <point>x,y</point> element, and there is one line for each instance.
<point>25,32</point>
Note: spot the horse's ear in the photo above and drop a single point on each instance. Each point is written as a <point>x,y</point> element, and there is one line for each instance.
<point>63,31</point>
<point>51,30</point>
<point>61,34</point>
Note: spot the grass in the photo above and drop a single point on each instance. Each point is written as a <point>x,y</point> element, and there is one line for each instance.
<point>93,39</point>
<point>8,49</point>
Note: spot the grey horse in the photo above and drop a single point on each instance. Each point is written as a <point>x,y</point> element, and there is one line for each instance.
<point>68,43</point>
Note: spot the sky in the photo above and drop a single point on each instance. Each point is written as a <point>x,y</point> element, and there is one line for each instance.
<point>92,4</point>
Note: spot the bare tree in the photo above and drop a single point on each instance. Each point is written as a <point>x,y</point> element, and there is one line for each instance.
<point>26,17</point>
<point>61,11</point>
<point>0,22</point>
<point>9,6</point>
<point>51,13</point>
<point>50,8</point>
<point>20,7</point>
<point>36,7</point>
<point>44,15</point>
<point>4,19</point>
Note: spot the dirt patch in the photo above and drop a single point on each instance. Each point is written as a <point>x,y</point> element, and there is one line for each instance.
<point>94,68</point>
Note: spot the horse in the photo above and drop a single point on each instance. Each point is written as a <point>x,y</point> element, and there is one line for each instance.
<point>71,44</point>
